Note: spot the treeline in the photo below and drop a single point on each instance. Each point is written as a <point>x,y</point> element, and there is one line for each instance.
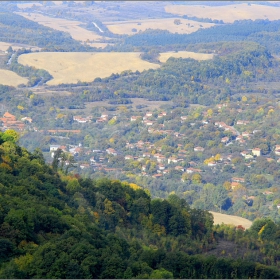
<point>264,32</point>
<point>54,225</point>
<point>17,29</point>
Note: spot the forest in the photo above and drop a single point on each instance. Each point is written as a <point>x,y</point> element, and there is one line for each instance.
<point>57,225</point>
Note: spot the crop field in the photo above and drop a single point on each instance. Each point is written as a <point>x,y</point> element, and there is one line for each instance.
<point>10,78</point>
<point>184,54</point>
<point>72,27</point>
<point>228,13</point>
<point>230,220</point>
<point>85,67</point>
<point>185,26</point>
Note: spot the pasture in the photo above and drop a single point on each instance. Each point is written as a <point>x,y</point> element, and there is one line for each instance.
<point>85,67</point>
<point>72,27</point>
<point>230,220</point>
<point>185,26</point>
<point>184,54</point>
<point>228,13</point>
<point>10,78</point>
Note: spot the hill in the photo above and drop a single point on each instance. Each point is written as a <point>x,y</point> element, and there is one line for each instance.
<point>55,224</point>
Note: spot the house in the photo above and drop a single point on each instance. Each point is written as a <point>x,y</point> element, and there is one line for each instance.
<point>149,114</point>
<point>193,170</point>
<point>225,139</point>
<point>157,176</point>
<point>135,118</point>
<point>246,134</point>
<point>111,151</point>
<point>54,148</point>
<point>179,168</point>
<point>256,152</point>
<point>212,164</point>
<point>27,119</point>
<point>148,123</point>
<point>238,180</point>
<point>198,149</point>
<point>128,157</point>
<point>148,155</point>
<point>84,165</point>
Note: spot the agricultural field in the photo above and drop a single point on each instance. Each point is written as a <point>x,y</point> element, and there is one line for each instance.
<point>72,27</point>
<point>184,54</point>
<point>230,220</point>
<point>184,26</point>
<point>10,78</point>
<point>85,67</point>
<point>228,13</point>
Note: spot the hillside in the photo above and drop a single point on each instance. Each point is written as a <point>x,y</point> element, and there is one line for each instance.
<point>59,225</point>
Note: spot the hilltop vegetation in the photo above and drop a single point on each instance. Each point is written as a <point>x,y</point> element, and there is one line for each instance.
<point>54,225</point>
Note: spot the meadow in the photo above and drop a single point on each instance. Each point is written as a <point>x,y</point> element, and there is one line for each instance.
<point>10,78</point>
<point>85,67</point>
<point>230,220</point>
<point>228,13</point>
<point>185,26</point>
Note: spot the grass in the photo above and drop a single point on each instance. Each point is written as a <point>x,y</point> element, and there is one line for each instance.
<point>10,78</point>
<point>85,67</point>
<point>228,13</point>
<point>186,26</point>
<point>78,33</point>
<point>184,54</point>
<point>230,220</point>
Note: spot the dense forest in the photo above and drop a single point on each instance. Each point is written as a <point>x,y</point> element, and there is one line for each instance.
<point>54,225</point>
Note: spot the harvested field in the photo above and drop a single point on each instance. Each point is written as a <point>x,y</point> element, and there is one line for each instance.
<point>85,67</point>
<point>72,27</point>
<point>185,27</point>
<point>184,54</point>
<point>230,220</point>
<point>228,13</point>
<point>10,78</point>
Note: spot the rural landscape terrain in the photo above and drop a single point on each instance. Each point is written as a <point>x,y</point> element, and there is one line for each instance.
<point>139,139</point>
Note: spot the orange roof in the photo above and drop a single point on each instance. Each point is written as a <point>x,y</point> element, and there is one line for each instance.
<point>8,115</point>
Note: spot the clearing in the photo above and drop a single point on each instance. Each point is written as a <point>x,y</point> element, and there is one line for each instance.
<point>228,13</point>
<point>230,220</point>
<point>10,78</point>
<point>184,54</point>
<point>184,26</point>
<point>84,66</point>
<point>72,27</point>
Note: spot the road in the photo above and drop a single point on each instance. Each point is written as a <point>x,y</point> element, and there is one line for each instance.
<point>98,27</point>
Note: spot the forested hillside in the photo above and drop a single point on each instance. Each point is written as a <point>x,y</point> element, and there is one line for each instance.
<point>17,29</point>
<point>54,225</point>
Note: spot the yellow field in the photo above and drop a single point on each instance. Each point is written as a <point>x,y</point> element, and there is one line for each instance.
<point>230,220</point>
<point>186,26</point>
<point>4,46</point>
<point>184,54</point>
<point>77,66</point>
<point>228,13</point>
<point>72,27</point>
<point>10,78</point>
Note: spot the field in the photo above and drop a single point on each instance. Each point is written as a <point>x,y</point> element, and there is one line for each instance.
<point>72,27</point>
<point>186,26</point>
<point>230,220</point>
<point>228,13</point>
<point>10,78</point>
<point>85,67</point>
<point>184,54</point>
